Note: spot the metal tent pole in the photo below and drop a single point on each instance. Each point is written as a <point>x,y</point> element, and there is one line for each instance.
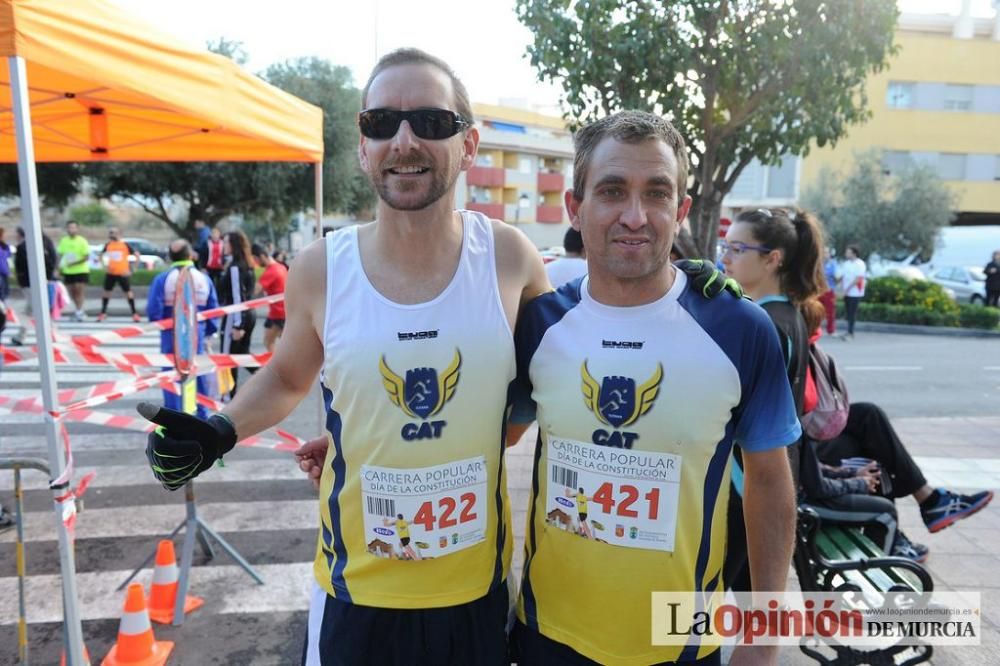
<point>43,330</point>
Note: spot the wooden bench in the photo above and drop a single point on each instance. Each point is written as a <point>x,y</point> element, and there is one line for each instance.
<point>838,557</point>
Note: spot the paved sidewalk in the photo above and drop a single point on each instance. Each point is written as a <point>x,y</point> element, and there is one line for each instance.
<point>959,453</point>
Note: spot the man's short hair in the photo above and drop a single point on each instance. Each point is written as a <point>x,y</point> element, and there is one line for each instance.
<point>258,250</point>
<point>573,241</point>
<point>180,250</point>
<point>854,248</point>
<point>627,127</point>
<point>411,56</point>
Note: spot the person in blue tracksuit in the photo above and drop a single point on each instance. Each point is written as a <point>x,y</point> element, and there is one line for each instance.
<point>160,305</point>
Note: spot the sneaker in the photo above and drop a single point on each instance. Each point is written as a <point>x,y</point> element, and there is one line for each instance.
<point>945,507</point>
<point>6,520</point>
<point>136,317</point>
<point>102,316</point>
<point>79,316</point>
<point>903,547</point>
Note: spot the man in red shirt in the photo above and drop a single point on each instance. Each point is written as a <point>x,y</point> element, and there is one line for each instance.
<point>211,256</point>
<point>272,281</point>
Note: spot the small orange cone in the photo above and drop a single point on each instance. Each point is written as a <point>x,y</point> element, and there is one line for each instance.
<point>86,657</point>
<point>163,591</point>
<point>136,645</point>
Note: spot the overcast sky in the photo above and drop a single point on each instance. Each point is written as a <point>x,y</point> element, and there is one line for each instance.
<point>481,39</point>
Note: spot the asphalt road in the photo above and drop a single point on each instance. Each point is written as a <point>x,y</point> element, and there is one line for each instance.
<point>918,375</point>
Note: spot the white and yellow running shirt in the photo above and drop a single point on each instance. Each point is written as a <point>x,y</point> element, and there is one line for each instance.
<point>638,409</point>
<point>415,398</point>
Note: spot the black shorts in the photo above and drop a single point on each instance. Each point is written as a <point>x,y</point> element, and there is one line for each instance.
<point>111,280</point>
<point>583,517</point>
<point>76,278</point>
<point>405,541</point>
<point>528,647</point>
<point>345,634</point>
<point>274,323</point>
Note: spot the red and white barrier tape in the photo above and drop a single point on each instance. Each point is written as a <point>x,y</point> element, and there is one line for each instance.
<point>88,342</point>
<point>285,441</point>
<point>129,361</point>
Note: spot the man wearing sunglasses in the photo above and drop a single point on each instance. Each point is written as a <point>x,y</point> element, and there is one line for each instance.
<point>410,320</point>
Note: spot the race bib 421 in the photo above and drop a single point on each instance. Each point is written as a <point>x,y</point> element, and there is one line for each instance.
<point>617,496</point>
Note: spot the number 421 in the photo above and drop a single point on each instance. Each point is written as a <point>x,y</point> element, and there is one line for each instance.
<point>605,496</point>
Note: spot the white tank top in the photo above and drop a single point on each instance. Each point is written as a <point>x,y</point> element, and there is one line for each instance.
<point>414,510</point>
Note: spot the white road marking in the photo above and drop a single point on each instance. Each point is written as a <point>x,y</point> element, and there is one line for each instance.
<point>226,589</point>
<point>888,368</point>
<point>160,519</point>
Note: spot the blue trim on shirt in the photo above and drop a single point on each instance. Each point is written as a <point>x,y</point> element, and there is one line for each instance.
<point>498,572</point>
<point>537,317</point>
<point>333,426</point>
<point>765,417</point>
<point>531,543</point>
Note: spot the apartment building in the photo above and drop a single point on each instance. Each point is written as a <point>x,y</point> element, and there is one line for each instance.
<point>938,103</point>
<point>524,165</point>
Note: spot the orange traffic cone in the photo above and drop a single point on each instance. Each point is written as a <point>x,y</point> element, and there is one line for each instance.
<point>163,591</point>
<point>136,645</point>
<point>86,657</point>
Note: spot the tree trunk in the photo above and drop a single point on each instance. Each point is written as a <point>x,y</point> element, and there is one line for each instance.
<point>704,217</point>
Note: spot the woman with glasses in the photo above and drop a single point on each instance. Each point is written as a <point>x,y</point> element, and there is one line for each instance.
<point>777,257</point>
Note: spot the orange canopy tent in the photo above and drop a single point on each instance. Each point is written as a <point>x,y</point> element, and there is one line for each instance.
<point>88,82</point>
<point>106,86</point>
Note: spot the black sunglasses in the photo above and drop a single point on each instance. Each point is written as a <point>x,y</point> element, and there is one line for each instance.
<point>433,124</point>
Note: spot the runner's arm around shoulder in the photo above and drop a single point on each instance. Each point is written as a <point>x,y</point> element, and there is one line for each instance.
<point>519,263</point>
<point>274,391</point>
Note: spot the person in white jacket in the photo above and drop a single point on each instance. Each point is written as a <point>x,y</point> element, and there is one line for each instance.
<point>852,282</point>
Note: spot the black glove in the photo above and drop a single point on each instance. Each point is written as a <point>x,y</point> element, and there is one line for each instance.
<point>184,446</point>
<point>708,280</point>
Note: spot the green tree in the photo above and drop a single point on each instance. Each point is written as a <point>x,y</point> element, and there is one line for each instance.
<point>57,183</point>
<point>892,214</point>
<point>740,79</point>
<point>330,87</point>
<point>92,214</point>
<point>264,193</point>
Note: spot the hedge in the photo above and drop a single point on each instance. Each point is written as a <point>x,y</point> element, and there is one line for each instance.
<point>924,294</point>
<point>140,277</point>
<point>967,316</point>
<point>978,316</point>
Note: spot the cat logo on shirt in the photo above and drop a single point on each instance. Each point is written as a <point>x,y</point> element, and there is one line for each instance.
<point>618,402</point>
<point>422,394</point>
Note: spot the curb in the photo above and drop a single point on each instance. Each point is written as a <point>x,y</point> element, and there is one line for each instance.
<point>909,329</point>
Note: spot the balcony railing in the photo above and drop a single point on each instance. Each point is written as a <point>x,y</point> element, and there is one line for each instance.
<point>485,176</point>
<point>494,210</point>
<point>550,214</point>
<point>550,182</point>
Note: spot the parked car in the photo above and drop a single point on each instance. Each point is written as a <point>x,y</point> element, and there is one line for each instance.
<point>150,256</point>
<point>967,283</point>
<point>552,253</point>
<point>901,265</point>
<point>146,247</point>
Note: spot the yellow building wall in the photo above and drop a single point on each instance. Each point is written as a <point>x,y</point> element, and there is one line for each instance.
<point>518,116</point>
<point>927,58</point>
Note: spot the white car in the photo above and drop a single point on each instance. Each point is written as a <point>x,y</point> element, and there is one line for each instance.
<point>967,283</point>
<point>148,262</point>
<point>904,266</point>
